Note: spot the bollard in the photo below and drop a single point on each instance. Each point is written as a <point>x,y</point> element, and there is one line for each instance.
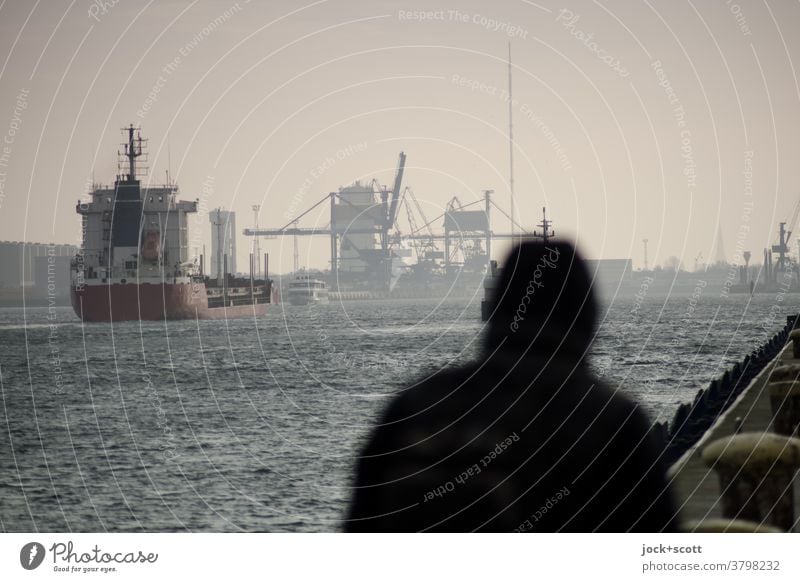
<point>736,372</point>
<point>791,321</point>
<point>725,386</point>
<point>755,473</point>
<point>747,370</point>
<point>784,398</point>
<point>713,396</point>
<point>700,404</point>
<point>795,337</point>
<point>679,420</point>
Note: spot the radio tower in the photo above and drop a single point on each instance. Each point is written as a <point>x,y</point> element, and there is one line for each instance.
<point>645,253</point>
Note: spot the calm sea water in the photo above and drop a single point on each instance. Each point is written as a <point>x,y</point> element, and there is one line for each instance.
<point>252,425</point>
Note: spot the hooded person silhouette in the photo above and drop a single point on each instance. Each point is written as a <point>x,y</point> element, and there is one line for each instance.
<point>525,438</point>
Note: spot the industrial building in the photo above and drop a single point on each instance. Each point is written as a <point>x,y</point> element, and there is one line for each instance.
<point>52,274</point>
<point>223,241</point>
<point>358,220</point>
<point>39,270</point>
<point>370,251</point>
<point>610,275</point>
<point>25,264</point>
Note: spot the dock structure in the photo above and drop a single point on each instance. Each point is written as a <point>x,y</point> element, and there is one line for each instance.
<point>370,248</point>
<point>741,475</point>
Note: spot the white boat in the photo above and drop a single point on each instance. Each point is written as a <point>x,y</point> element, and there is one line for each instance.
<point>307,290</point>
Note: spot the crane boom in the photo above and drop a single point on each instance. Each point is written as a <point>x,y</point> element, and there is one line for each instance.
<point>793,221</point>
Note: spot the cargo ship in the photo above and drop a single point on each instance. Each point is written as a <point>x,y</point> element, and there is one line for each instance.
<point>134,261</point>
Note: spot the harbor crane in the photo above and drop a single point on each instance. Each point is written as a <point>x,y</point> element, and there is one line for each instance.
<point>367,245</point>
<point>782,248</point>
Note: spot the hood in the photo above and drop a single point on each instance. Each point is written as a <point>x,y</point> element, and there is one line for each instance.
<point>544,302</point>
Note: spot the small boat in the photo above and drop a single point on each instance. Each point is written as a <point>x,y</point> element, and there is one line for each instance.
<point>306,289</point>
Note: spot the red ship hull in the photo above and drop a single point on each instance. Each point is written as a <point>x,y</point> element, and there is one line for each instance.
<point>152,302</point>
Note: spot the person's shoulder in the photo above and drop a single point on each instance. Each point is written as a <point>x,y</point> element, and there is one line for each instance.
<point>429,392</point>
<point>416,412</point>
<point>617,406</point>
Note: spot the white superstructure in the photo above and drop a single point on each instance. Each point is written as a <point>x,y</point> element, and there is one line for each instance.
<point>306,289</point>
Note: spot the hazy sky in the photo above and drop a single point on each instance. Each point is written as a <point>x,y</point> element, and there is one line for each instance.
<point>660,119</point>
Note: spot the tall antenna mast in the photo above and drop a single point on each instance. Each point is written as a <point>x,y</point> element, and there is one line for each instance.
<point>547,233</point>
<point>132,152</point>
<point>510,141</point>
<point>169,162</point>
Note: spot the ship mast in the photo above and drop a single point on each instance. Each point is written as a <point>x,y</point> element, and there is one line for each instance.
<point>132,151</point>
<point>547,233</point>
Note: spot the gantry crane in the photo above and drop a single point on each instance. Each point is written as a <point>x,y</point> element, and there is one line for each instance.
<point>782,248</point>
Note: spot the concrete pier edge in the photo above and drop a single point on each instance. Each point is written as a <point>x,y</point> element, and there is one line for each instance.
<point>695,486</point>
